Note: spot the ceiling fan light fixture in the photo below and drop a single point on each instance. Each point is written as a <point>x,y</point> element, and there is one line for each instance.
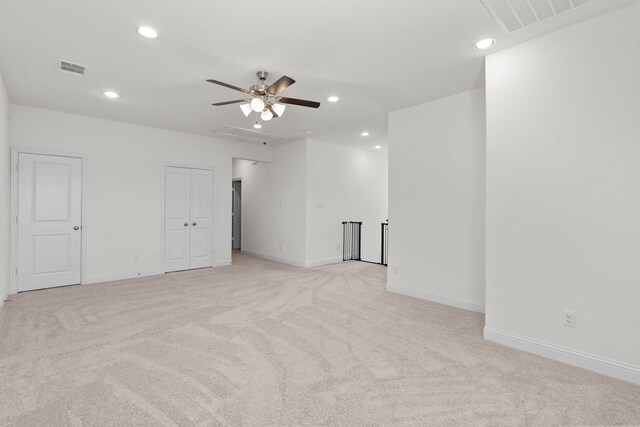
<point>266,115</point>
<point>257,126</point>
<point>257,105</point>
<point>246,109</point>
<point>279,109</point>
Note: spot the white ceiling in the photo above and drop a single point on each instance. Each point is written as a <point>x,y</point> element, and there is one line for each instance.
<point>376,56</point>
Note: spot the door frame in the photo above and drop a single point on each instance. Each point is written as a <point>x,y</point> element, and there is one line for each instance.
<point>237,179</point>
<point>13,253</point>
<point>163,200</point>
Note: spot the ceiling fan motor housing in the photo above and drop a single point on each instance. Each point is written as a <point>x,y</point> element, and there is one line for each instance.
<point>259,89</point>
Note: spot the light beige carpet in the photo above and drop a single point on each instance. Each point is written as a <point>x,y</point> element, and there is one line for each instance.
<point>265,344</point>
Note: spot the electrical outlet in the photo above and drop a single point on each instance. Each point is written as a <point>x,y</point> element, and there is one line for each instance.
<point>337,245</point>
<point>396,269</point>
<point>569,318</point>
<point>280,246</point>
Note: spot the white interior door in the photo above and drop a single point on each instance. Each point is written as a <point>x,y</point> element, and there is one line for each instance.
<point>177,218</point>
<point>49,221</point>
<point>188,218</point>
<point>201,218</point>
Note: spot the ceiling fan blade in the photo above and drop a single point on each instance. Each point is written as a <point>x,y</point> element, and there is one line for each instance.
<point>236,101</point>
<point>229,86</point>
<point>301,102</point>
<point>281,84</point>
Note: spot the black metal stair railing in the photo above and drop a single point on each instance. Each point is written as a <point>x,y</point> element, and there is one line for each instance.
<point>351,240</point>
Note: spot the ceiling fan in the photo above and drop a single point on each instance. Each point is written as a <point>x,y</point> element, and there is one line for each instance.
<point>264,99</point>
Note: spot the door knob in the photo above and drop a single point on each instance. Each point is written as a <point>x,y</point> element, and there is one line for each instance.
<point>76,228</point>
<point>194,224</point>
<point>186,224</point>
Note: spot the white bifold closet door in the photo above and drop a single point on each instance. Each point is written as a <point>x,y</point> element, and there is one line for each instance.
<point>188,219</point>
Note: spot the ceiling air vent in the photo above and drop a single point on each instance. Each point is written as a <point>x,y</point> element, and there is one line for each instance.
<point>70,67</point>
<point>514,15</point>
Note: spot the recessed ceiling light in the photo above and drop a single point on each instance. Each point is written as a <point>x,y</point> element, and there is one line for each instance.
<point>147,32</point>
<point>111,94</point>
<point>365,133</point>
<point>377,147</point>
<point>333,98</point>
<point>484,44</point>
<point>257,126</point>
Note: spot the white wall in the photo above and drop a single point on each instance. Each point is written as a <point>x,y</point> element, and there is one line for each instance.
<point>5,207</point>
<point>563,187</point>
<point>124,183</point>
<point>436,200</point>
<point>343,184</point>
<point>273,205</point>
<point>281,219</point>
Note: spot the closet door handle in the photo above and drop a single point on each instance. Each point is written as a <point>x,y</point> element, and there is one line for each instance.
<point>186,224</point>
<point>194,224</point>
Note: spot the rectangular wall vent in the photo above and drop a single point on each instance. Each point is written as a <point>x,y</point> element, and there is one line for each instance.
<point>514,15</point>
<point>70,67</point>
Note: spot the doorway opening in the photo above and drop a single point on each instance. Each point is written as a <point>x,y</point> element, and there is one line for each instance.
<point>236,215</point>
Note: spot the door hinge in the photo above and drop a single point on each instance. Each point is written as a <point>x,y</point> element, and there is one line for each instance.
<point>17,167</point>
<point>16,271</point>
<point>16,219</point>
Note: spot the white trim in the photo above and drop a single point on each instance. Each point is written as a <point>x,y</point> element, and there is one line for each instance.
<point>601,365</point>
<point>13,254</point>
<point>321,262</point>
<point>464,304</point>
<point>273,258</point>
<point>163,208</point>
<point>112,277</point>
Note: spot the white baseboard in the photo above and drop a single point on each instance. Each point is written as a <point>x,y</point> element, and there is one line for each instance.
<point>322,262</point>
<point>300,264</point>
<point>101,278</point>
<point>273,258</point>
<point>601,365</point>
<point>440,299</point>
